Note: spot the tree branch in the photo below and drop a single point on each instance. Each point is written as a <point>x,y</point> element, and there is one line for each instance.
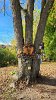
<point>4,7</point>
<point>24,10</point>
<point>42,24</point>
<point>18,28</point>
<point>29,22</point>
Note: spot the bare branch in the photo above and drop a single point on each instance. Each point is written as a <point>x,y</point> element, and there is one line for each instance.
<point>4,7</point>
<point>24,10</point>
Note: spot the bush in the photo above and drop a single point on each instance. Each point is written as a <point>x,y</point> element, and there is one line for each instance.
<point>7,57</point>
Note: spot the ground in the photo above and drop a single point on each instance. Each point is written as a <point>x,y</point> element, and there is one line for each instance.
<point>43,89</point>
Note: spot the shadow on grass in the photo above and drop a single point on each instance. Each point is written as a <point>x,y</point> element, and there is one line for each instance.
<point>46,80</point>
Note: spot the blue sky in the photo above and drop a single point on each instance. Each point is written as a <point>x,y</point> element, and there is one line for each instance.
<point>6,22</point>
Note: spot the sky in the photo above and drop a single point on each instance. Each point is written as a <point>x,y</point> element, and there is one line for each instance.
<point>6,22</point>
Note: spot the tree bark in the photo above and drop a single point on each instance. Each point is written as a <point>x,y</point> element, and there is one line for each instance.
<point>40,34</point>
<point>29,22</point>
<point>18,29</point>
<point>42,24</point>
<point>29,65</point>
<point>17,20</point>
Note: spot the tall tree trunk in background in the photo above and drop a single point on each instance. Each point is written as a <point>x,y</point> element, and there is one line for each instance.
<point>29,65</point>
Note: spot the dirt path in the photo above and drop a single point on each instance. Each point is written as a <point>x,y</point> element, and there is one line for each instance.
<point>43,89</point>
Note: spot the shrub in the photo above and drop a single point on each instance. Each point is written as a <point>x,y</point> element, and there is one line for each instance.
<point>7,57</point>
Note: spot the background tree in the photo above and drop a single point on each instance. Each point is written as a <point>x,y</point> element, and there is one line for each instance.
<point>28,53</point>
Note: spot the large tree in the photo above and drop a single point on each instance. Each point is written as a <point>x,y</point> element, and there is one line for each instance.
<point>29,52</point>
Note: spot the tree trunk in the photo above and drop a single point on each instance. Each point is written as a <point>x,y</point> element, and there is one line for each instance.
<point>17,20</point>
<point>18,29</point>
<point>29,22</point>
<point>39,35</point>
<point>29,59</point>
<point>42,24</point>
